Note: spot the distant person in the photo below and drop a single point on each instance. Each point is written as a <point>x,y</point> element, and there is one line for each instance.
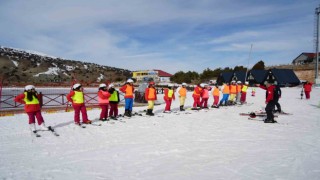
<point>205,96</point>
<point>168,97</point>
<point>253,91</point>
<point>216,95</point>
<point>103,99</point>
<point>30,99</point>
<point>76,97</point>
<point>233,93</point>
<point>307,87</point>
<point>196,97</point>
<point>244,93</point>
<point>114,100</point>
<point>128,89</point>
<point>269,101</point>
<point>239,88</point>
<point>150,97</point>
<point>277,96</point>
<point>226,92</point>
<point>182,91</point>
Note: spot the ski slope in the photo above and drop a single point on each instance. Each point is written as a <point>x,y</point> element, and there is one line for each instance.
<point>204,145</point>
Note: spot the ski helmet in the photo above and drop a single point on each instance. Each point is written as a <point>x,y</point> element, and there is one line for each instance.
<point>29,87</point>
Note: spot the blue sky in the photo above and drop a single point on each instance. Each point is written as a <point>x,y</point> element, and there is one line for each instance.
<point>172,35</point>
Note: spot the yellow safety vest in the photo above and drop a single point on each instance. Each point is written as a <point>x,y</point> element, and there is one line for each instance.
<point>78,97</point>
<point>170,93</point>
<point>33,101</point>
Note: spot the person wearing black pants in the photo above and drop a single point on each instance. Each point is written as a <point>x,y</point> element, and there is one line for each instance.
<point>269,101</point>
<point>276,97</point>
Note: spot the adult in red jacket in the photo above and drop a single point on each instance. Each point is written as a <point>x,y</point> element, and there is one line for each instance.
<point>168,97</point>
<point>103,99</point>
<point>30,99</point>
<point>270,102</point>
<point>150,96</point>
<point>196,96</point>
<point>76,97</point>
<point>128,89</point>
<point>307,89</point>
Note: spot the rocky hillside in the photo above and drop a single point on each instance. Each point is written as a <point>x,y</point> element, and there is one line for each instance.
<point>18,67</point>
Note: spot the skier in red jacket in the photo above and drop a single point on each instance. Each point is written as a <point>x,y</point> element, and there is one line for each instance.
<point>30,99</point>
<point>269,101</point>
<point>307,89</point>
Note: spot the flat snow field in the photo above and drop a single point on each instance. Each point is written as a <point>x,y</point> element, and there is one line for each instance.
<point>205,145</point>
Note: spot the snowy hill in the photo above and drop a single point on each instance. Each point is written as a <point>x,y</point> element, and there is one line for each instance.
<point>204,145</point>
<point>23,66</point>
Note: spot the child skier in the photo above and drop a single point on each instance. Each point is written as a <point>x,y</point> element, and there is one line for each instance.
<point>113,101</point>
<point>168,97</point>
<point>216,95</point>
<point>244,93</point>
<point>128,89</point>
<point>30,99</point>
<point>225,91</point>
<point>103,99</point>
<point>182,91</point>
<point>205,96</point>
<point>150,96</point>
<point>76,97</point>
<point>307,89</point>
<point>196,97</point>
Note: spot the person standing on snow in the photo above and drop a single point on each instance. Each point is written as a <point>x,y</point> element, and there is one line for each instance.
<point>182,91</point>
<point>103,99</point>
<point>225,91</point>
<point>233,93</point>
<point>216,95</point>
<point>76,97</point>
<point>150,95</point>
<point>128,89</point>
<point>30,99</point>
<point>277,96</point>
<point>114,100</point>
<point>307,89</point>
<point>205,96</point>
<point>196,97</point>
<point>168,97</point>
<point>269,101</point>
<point>238,96</point>
<point>244,92</point>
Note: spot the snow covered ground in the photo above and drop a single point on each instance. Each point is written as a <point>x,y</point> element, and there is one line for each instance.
<point>217,144</point>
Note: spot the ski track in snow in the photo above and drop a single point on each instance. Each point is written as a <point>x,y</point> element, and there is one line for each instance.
<point>208,144</point>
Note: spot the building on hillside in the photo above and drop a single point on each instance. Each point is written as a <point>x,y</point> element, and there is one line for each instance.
<point>304,58</point>
<point>155,74</point>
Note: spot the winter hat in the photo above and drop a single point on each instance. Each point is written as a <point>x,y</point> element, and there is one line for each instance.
<point>239,82</point>
<point>129,81</point>
<point>111,85</point>
<point>151,83</point>
<point>184,84</point>
<point>170,85</point>
<point>202,85</point>
<point>76,86</point>
<point>102,85</point>
<point>29,87</point>
<point>246,82</point>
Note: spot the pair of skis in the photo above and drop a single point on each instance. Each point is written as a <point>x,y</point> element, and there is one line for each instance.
<point>35,132</point>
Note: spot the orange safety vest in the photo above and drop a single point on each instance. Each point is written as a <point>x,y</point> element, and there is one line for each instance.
<point>239,87</point>
<point>216,91</point>
<point>197,91</point>
<point>226,89</point>
<point>151,94</point>
<point>183,92</point>
<point>233,89</point>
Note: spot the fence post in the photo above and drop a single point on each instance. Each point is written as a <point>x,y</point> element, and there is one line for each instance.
<point>40,99</point>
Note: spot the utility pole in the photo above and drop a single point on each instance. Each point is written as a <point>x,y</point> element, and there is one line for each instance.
<point>317,12</point>
<point>245,78</point>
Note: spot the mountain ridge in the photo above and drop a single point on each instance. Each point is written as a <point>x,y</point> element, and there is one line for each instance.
<point>19,67</point>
